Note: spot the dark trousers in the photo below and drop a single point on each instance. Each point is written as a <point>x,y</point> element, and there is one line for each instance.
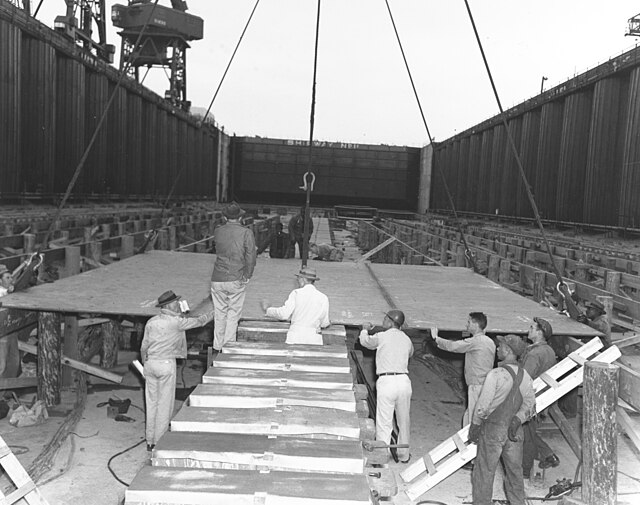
<point>494,445</point>
<point>534,446</point>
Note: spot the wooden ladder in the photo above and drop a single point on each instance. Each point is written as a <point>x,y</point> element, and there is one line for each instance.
<point>25,487</point>
<point>446,458</point>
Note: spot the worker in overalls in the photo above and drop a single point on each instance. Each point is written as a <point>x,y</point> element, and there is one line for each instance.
<point>506,401</point>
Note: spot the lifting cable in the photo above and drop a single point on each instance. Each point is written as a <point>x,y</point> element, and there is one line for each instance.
<point>87,150</point>
<point>304,254</point>
<point>468,253</point>
<point>175,182</point>
<point>562,287</point>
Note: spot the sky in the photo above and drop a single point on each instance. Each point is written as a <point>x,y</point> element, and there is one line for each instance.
<point>363,92</point>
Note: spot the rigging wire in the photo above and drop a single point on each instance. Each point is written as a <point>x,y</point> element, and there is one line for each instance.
<point>215,95</point>
<point>469,253</point>
<point>304,254</point>
<point>87,150</point>
<point>562,286</point>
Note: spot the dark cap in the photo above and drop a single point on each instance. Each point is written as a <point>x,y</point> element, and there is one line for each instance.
<point>166,298</point>
<point>590,305</point>
<point>545,326</point>
<point>3,268</point>
<point>232,211</point>
<point>397,316</point>
<point>516,343</point>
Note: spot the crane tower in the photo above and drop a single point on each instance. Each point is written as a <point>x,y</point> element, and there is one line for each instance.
<point>164,42</point>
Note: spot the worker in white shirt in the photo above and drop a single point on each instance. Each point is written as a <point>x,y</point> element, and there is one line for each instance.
<point>307,308</point>
<point>393,349</point>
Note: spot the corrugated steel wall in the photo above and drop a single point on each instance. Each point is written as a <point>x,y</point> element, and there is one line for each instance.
<point>52,95</point>
<point>271,170</point>
<point>579,144</point>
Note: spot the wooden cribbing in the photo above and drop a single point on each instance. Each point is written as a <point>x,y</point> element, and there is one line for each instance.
<point>451,454</point>
<point>25,488</point>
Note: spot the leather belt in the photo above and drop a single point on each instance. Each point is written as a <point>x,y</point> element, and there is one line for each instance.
<point>391,373</point>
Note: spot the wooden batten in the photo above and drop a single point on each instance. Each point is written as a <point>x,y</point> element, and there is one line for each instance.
<point>245,376</point>
<point>251,452</point>
<point>243,487</point>
<point>247,397</point>
<point>304,421</point>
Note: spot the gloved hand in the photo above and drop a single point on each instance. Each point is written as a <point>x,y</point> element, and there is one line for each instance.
<point>513,428</point>
<point>582,318</point>
<point>474,433</point>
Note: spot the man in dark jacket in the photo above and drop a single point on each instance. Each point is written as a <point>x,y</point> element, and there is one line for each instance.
<point>296,230</point>
<point>279,246</point>
<point>235,261</point>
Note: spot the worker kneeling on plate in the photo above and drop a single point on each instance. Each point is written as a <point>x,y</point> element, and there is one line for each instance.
<point>307,308</point>
<point>164,340</point>
<point>506,401</point>
<point>393,349</point>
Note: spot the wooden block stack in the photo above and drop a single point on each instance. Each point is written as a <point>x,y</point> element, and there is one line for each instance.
<point>271,423</point>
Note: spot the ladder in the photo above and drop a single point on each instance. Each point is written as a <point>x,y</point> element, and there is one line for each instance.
<point>25,487</point>
<point>446,458</point>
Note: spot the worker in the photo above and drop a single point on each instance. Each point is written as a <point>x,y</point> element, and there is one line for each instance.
<point>279,246</point>
<point>506,401</point>
<point>307,308</point>
<point>163,342</point>
<point>479,351</point>
<point>296,230</point>
<point>235,262</point>
<point>6,280</point>
<point>393,349</point>
<point>326,252</point>
<point>537,359</point>
<point>596,317</point>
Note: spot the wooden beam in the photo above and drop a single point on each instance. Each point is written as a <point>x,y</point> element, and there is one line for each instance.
<point>573,439</point>
<point>376,249</point>
<point>628,341</point>
<point>599,448</point>
<point>627,425</point>
<point>629,389</point>
<point>18,383</point>
<point>14,319</point>
<point>78,365</point>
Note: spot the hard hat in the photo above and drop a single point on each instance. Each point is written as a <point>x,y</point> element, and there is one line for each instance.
<point>397,316</point>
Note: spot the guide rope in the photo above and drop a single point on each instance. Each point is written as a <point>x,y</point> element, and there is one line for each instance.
<point>468,252</point>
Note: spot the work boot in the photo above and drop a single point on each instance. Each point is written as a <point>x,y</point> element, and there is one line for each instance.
<point>549,462</point>
<point>150,447</point>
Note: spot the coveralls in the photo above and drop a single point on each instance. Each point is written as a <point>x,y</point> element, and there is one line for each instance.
<point>308,309</point>
<point>235,262</point>
<point>479,351</point>
<point>494,411</point>
<point>164,340</point>
<point>393,349</point>
<point>537,359</point>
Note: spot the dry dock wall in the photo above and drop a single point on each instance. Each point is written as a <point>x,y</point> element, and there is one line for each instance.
<point>579,143</point>
<point>52,95</point>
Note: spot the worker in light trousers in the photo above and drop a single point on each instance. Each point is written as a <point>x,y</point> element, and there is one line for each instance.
<point>393,349</point>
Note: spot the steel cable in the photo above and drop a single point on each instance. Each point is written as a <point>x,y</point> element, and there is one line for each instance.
<point>469,253</point>
<point>304,254</point>
<point>175,182</point>
<point>573,311</point>
<point>87,150</point>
